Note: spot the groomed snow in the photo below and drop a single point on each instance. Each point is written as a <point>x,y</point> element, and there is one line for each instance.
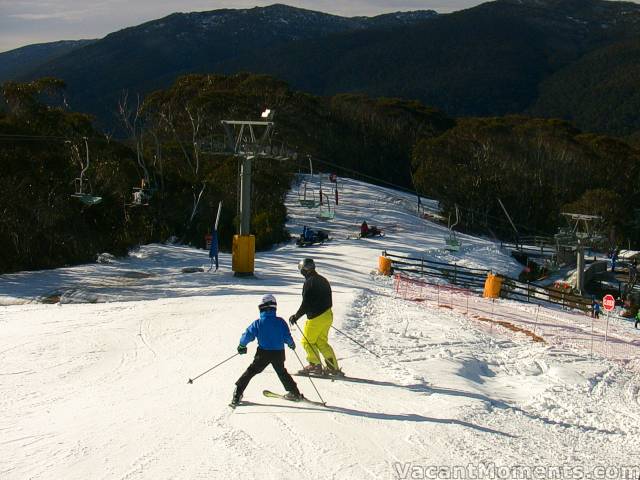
<point>95,387</point>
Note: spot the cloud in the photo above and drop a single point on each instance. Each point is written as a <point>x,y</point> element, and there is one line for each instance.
<point>68,16</point>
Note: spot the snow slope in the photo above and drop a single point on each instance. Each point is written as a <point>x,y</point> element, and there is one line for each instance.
<point>95,387</point>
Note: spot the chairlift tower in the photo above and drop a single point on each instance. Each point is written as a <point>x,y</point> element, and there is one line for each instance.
<point>583,233</point>
<point>249,140</point>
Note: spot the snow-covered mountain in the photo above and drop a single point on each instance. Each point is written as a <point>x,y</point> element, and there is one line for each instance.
<point>99,390</point>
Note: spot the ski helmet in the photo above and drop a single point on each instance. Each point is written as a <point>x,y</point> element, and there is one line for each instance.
<point>268,301</point>
<point>306,265</point>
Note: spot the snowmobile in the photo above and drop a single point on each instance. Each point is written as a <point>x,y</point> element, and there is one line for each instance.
<point>312,237</point>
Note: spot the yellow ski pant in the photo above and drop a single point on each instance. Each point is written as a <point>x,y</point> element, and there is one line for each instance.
<point>316,339</point>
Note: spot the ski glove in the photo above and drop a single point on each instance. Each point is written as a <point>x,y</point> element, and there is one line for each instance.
<point>242,349</point>
<point>293,320</point>
<point>292,346</point>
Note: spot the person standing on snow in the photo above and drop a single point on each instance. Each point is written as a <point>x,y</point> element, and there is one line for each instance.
<point>316,305</point>
<point>272,333</point>
<point>364,229</point>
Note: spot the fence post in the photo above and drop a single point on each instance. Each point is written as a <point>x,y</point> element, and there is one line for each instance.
<point>421,266</point>
<point>493,302</point>
<point>592,337</point>
<point>438,297</point>
<point>528,290</point>
<point>535,326</point>
<point>455,273</point>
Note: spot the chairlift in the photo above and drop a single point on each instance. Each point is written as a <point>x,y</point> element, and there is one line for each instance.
<point>333,179</point>
<point>83,192</point>
<point>312,201</point>
<point>308,201</point>
<point>452,242</point>
<point>82,185</point>
<point>581,229</point>
<point>326,213</point>
<point>141,195</point>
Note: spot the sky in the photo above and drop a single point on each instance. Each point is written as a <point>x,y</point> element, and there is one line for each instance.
<point>24,22</point>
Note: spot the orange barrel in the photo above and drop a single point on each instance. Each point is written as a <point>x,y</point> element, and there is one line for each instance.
<point>492,286</point>
<point>384,265</point>
<point>243,254</point>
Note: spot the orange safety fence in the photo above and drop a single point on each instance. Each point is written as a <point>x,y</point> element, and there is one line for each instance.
<point>605,337</point>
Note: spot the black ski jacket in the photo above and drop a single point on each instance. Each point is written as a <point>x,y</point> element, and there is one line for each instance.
<point>316,296</point>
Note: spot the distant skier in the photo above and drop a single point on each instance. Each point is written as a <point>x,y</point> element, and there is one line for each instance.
<point>369,231</point>
<point>213,251</point>
<point>364,229</point>
<point>595,309</point>
<point>637,319</point>
<point>316,305</point>
<point>272,333</point>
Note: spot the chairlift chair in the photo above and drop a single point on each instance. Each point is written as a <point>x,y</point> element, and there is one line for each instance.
<point>140,198</point>
<point>304,201</point>
<point>142,194</point>
<point>82,185</point>
<point>452,242</point>
<point>83,194</point>
<point>333,180</point>
<point>326,213</point>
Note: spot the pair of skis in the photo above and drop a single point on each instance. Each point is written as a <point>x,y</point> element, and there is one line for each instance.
<point>270,394</point>
<point>324,373</point>
<point>332,375</point>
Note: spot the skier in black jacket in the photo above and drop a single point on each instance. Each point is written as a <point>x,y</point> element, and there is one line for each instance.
<point>316,305</point>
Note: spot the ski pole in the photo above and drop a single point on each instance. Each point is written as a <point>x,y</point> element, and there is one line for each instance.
<point>215,366</point>
<point>356,342</point>
<point>310,379</point>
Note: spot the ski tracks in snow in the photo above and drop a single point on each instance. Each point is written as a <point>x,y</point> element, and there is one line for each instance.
<point>538,405</point>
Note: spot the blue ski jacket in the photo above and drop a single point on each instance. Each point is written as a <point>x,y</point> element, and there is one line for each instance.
<point>271,331</point>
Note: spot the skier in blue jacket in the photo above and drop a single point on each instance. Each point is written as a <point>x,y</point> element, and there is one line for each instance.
<point>272,333</point>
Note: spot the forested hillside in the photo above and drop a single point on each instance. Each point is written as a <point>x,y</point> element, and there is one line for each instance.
<point>168,144</point>
<point>598,92</point>
<point>538,168</point>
